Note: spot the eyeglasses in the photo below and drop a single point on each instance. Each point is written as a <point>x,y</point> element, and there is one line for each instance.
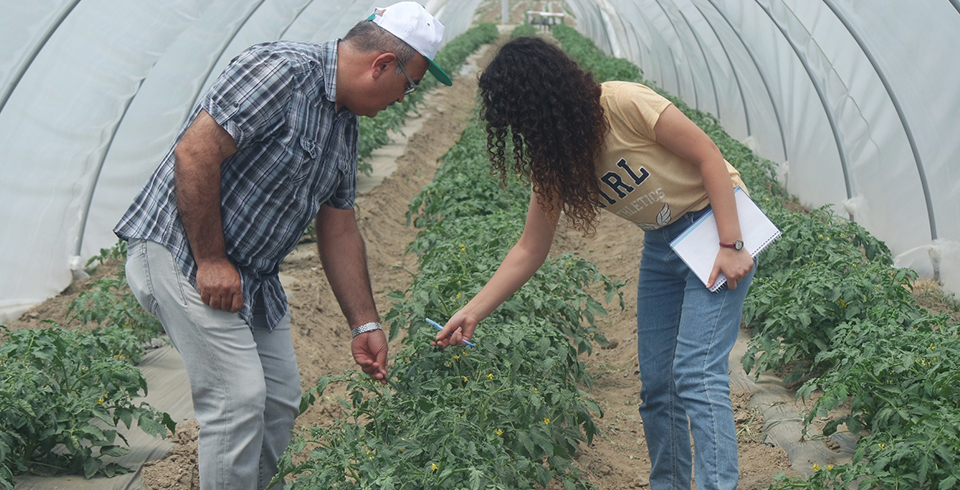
<point>411,85</point>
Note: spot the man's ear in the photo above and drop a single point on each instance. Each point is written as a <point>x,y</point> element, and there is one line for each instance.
<point>381,62</point>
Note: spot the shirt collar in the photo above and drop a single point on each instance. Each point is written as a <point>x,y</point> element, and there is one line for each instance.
<point>330,70</point>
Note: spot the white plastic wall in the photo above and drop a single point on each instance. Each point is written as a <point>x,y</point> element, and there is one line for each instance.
<point>857,101</point>
<point>93,92</point>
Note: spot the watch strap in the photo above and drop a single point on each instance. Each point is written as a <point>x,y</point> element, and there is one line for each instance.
<point>737,245</point>
<point>366,327</point>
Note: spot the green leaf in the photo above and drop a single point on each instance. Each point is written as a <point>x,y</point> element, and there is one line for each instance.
<point>91,466</point>
<point>114,451</point>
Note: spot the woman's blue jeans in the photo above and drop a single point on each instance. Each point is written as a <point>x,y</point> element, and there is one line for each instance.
<point>685,334</point>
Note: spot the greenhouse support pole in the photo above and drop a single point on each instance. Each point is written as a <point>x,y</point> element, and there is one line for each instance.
<point>763,77</point>
<point>504,12</point>
<point>713,83</point>
<point>294,19</point>
<point>903,118</point>
<point>696,96</point>
<point>89,203</point>
<point>823,100</point>
<point>15,80</point>
<point>733,68</point>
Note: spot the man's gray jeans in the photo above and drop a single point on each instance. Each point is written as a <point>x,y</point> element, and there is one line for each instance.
<point>244,379</point>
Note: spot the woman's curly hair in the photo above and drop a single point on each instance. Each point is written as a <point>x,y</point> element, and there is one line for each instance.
<point>539,98</point>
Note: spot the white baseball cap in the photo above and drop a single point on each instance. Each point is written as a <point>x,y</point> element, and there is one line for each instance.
<point>411,22</point>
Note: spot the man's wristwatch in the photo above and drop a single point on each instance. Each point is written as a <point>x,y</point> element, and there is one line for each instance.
<point>366,327</point>
<point>737,245</point>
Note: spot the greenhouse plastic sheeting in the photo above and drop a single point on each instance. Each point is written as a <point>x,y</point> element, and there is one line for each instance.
<point>856,101</point>
<point>92,94</point>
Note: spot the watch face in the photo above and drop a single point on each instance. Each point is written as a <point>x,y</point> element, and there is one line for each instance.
<point>738,244</point>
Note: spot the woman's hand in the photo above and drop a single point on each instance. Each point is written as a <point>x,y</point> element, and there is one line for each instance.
<point>734,264</point>
<point>460,327</point>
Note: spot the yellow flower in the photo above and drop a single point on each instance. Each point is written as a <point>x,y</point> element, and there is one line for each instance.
<point>816,467</point>
<point>546,420</point>
<point>459,295</point>
<point>843,304</point>
<point>498,432</point>
<point>456,356</point>
<point>464,379</point>
<point>881,445</point>
<point>829,467</point>
<point>932,347</point>
<point>490,376</point>
<point>434,467</point>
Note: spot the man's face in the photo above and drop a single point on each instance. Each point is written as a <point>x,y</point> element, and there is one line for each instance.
<point>393,84</point>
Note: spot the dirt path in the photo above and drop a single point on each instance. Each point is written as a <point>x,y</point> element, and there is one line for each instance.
<point>616,460</point>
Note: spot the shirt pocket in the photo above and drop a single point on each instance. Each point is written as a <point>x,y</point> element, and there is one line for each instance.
<point>306,158</point>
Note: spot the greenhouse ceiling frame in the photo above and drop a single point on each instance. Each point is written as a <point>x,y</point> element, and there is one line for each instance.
<point>92,94</point>
<point>679,36</point>
<point>789,78</point>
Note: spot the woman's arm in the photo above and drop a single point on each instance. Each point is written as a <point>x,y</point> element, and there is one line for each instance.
<point>680,135</point>
<point>520,264</point>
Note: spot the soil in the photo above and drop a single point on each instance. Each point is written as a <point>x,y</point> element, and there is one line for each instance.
<point>615,460</point>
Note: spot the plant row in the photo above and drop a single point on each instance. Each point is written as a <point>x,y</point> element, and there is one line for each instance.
<point>64,392</point>
<point>508,414</point>
<point>830,313</point>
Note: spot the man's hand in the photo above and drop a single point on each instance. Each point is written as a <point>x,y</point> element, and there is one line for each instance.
<point>370,351</point>
<point>219,285</point>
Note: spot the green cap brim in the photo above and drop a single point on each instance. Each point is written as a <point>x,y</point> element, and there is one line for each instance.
<point>433,68</point>
<point>439,73</point>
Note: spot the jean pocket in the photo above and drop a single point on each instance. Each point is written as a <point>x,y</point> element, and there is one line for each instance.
<point>138,275</point>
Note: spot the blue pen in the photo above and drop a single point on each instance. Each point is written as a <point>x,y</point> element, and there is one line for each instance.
<point>438,327</point>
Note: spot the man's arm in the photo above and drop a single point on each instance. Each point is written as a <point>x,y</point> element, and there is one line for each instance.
<point>198,155</point>
<point>344,258</point>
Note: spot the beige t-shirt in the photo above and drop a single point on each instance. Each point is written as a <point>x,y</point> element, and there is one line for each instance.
<point>640,180</point>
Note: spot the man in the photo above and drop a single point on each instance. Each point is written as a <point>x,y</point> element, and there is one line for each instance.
<point>272,145</point>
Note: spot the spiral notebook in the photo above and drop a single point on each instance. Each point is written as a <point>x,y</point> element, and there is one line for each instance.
<point>699,244</point>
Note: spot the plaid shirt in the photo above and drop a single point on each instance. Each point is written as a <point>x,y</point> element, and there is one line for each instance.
<point>295,152</point>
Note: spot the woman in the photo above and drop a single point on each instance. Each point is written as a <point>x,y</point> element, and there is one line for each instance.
<point>621,147</point>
